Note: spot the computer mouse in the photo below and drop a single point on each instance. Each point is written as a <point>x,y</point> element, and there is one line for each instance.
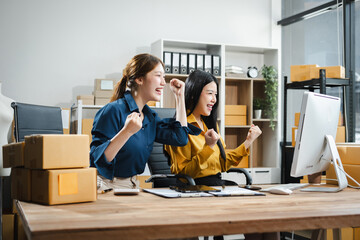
<point>281,191</point>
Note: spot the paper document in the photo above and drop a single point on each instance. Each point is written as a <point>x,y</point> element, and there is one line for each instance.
<point>225,192</point>
<point>169,193</point>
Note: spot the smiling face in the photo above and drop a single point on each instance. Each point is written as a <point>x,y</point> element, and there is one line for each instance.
<point>207,100</point>
<point>152,85</point>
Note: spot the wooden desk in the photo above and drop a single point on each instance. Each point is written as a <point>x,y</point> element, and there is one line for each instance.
<point>147,216</point>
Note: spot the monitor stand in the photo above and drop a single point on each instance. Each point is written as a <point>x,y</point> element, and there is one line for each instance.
<point>339,170</point>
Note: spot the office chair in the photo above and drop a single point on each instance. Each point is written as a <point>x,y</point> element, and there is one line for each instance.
<point>35,119</point>
<point>159,164</point>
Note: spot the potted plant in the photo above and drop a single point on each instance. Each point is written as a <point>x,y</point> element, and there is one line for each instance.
<point>258,105</point>
<point>271,93</point>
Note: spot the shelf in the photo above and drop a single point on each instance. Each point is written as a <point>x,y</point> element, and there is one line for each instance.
<point>316,83</point>
<point>238,126</point>
<point>169,76</point>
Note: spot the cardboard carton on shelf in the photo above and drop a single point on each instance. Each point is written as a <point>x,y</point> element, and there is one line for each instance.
<point>300,73</point>
<point>104,84</point>
<point>349,153</point>
<point>331,72</point>
<point>101,101</point>
<point>86,99</point>
<point>87,124</point>
<point>13,155</point>
<point>59,186</point>
<point>235,115</point>
<point>352,169</point>
<point>21,184</point>
<point>50,151</point>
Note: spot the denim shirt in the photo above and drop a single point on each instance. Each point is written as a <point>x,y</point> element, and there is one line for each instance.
<point>132,157</point>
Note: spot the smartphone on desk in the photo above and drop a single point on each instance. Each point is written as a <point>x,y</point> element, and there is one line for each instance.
<point>194,189</point>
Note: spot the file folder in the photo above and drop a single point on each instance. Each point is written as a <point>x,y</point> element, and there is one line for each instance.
<point>167,61</point>
<point>216,66</point>
<point>208,63</point>
<point>200,61</point>
<point>183,63</point>
<point>191,62</point>
<point>175,63</point>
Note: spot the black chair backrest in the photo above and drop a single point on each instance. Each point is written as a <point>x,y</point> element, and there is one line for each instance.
<point>158,161</point>
<point>35,119</point>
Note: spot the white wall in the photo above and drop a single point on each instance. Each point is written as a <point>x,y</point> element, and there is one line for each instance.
<point>51,51</point>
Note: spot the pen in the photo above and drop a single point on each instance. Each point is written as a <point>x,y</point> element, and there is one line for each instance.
<point>106,190</point>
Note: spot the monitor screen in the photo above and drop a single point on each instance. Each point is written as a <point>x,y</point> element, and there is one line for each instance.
<point>318,117</point>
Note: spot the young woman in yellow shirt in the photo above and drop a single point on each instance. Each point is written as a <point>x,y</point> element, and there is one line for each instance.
<point>204,157</point>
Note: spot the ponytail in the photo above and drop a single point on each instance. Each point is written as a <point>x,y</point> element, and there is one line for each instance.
<point>120,89</point>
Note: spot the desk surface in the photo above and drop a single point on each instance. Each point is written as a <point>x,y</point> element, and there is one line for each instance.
<point>147,216</point>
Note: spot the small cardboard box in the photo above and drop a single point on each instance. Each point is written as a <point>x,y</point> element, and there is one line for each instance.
<point>101,101</point>
<point>103,94</point>
<point>235,110</point>
<point>301,72</point>
<point>86,99</point>
<point>13,155</point>
<point>21,184</point>
<point>293,136</point>
<point>236,120</point>
<point>297,119</point>
<point>351,169</point>
<point>331,72</point>
<point>53,151</point>
<point>63,186</point>
<point>104,84</point>
<point>349,153</point>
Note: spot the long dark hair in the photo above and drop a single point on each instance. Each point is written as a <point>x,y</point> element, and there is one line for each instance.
<point>138,67</point>
<point>194,85</point>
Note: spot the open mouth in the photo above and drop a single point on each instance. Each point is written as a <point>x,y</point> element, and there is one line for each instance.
<point>159,91</point>
<point>210,107</point>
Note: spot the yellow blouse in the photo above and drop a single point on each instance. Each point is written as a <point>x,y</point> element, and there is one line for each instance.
<point>197,159</point>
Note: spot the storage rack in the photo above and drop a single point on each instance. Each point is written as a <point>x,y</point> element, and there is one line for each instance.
<point>320,84</point>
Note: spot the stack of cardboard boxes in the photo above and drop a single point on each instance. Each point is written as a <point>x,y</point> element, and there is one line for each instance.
<point>103,90</point>
<point>51,169</point>
<point>235,115</point>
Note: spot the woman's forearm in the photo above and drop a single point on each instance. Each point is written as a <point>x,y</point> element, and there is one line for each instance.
<point>116,143</point>
<point>180,110</point>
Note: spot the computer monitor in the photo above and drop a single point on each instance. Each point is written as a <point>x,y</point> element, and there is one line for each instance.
<point>315,148</point>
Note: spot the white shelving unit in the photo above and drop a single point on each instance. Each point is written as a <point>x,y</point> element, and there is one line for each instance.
<point>264,160</point>
<point>78,111</point>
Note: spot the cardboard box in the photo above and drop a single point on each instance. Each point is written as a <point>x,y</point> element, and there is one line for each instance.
<point>297,119</point>
<point>349,153</point>
<point>340,134</point>
<point>104,84</point>
<point>151,103</point>
<point>301,72</point>
<point>103,94</point>
<point>235,110</point>
<point>21,184</point>
<point>63,186</point>
<point>13,155</point>
<point>235,120</point>
<point>56,151</point>
<point>331,72</point>
<point>101,101</point>
<point>351,169</point>
<point>86,99</point>
<point>293,136</point>
<point>8,222</point>
<point>65,115</point>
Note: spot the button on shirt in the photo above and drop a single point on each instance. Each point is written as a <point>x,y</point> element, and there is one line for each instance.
<point>132,157</point>
<point>197,159</point>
